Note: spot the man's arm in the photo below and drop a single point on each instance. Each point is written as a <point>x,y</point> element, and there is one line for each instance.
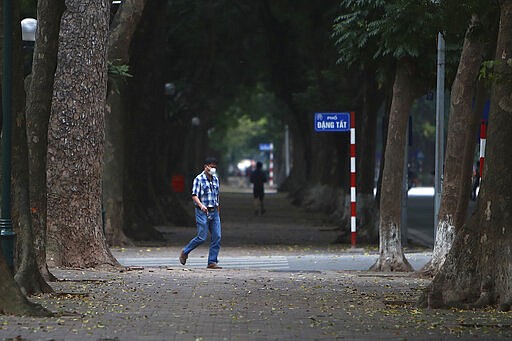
<point>196,189</point>
<point>199,203</point>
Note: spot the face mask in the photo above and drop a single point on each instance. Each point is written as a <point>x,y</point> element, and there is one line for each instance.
<point>212,171</point>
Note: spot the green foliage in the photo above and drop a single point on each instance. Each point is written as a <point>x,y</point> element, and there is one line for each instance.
<point>488,71</point>
<point>428,130</point>
<point>351,31</point>
<point>242,137</point>
<point>117,73</point>
<point>376,29</point>
<point>253,118</point>
<point>403,28</point>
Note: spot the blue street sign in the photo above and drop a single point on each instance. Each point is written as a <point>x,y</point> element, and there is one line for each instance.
<point>332,121</point>
<point>266,147</point>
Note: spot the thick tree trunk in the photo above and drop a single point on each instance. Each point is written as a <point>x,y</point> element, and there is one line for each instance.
<point>28,275</point>
<point>384,132</point>
<point>121,33</point>
<point>391,255</point>
<point>460,149</point>
<point>39,97</point>
<point>76,138</point>
<point>113,177</point>
<point>12,300</point>
<point>478,268</point>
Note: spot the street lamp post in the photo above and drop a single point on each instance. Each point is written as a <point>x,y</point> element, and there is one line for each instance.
<point>7,234</point>
<point>28,28</point>
<point>439,152</point>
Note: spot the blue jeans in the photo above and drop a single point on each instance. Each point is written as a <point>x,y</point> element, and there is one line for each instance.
<point>206,222</point>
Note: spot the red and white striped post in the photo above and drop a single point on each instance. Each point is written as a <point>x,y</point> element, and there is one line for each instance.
<point>271,166</point>
<point>337,122</point>
<point>353,220</point>
<point>483,139</point>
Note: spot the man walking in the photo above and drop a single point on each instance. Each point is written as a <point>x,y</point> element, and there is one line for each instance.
<point>205,194</point>
<point>258,178</point>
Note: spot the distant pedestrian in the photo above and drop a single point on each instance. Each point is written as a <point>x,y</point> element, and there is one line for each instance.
<point>476,181</point>
<point>258,178</point>
<point>205,194</point>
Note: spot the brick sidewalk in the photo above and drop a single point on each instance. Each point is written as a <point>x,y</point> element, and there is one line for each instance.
<point>180,303</point>
<point>200,304</point>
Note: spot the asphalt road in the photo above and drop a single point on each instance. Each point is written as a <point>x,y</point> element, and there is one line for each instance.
<point>420,215</point>
<point>357,260</point>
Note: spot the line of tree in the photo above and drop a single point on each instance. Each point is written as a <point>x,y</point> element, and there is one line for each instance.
<point>92,154</point>
<point>466,272</point>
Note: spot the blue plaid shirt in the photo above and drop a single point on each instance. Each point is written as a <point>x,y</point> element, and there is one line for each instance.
<point>207,191</point>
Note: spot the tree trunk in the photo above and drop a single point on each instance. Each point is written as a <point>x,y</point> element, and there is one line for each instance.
<point>391,255</point>
<point>39,98</point>
<point>121,33</point>
<point>12,300</point>
<point>460,149</point>
<point>76,138</point>
<point>156,130</point>
<point>28,275</point>
<point>478,268</point>
<point>366,135</point>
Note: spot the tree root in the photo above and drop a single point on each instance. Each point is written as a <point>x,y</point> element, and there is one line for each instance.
<point>484,300</point>
<point>428,271</point>
<point>32,283</point>
<point>505,306</point>
<point>30,309</point>
<point>391,266</point>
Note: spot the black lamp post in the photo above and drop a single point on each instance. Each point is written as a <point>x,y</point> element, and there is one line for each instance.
<point>7,234</point>
<point>28,28</point>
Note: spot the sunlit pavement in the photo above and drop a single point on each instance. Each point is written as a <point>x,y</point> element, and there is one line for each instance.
<point>357,259</point>
<point>421,192</point>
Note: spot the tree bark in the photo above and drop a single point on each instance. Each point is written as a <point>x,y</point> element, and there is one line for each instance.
<point>76,138</point>
<point>27,275</point>
<point>460,149</point>
<point>120,37</point>
<point>478,268</point>
<point>39,97</point>
<point>391,255</point>
<point>12,300</point>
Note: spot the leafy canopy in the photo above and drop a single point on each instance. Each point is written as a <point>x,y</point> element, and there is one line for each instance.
<point>372,29</point>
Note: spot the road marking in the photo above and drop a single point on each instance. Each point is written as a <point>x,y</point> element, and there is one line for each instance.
<point>320,262</point>
<point>267,263</point>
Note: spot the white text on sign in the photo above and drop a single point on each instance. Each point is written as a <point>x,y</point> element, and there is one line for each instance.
<point>332,121</point>
<point>331,125</point>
